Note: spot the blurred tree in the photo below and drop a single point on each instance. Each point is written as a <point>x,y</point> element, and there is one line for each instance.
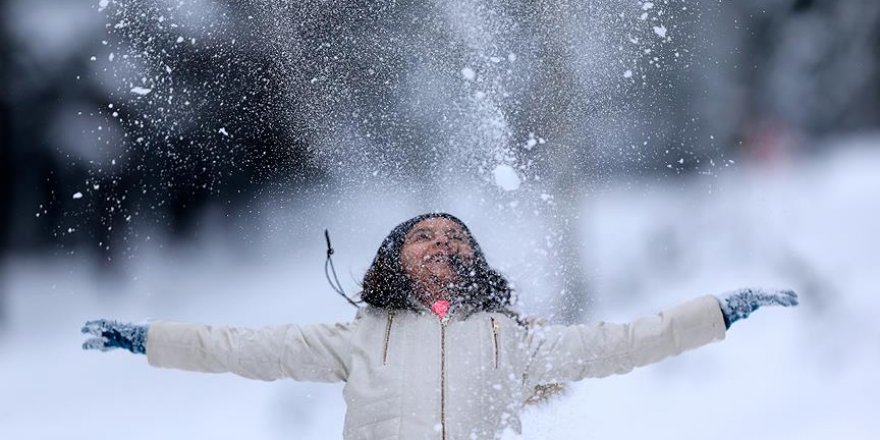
<point>6,195</point>
<point>5,143</point>
<point>91,159</point>
<point>809,68</point>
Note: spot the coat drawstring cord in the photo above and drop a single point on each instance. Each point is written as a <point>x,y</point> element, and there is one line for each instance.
<point>328,264</point>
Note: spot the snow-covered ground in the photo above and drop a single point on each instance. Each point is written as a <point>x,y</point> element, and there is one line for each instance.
<point>807,373</point>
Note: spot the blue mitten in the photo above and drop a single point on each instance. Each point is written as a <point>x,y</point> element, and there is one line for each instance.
<point>740,303</point>
<point>112,334</point>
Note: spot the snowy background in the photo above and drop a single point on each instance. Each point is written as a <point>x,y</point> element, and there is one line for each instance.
<point>180,160</point>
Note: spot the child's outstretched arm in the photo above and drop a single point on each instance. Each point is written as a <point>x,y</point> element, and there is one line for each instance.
<point>567,353</point>
<point>315,353</point>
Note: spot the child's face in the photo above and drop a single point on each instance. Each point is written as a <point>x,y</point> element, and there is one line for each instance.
<point>428,249</point>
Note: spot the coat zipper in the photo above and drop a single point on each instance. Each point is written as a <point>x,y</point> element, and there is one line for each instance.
<point>443,377</point>
<point>496,330</point>
<point>387,337</point>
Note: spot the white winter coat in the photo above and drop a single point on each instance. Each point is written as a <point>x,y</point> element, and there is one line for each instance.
<point>410,376</point>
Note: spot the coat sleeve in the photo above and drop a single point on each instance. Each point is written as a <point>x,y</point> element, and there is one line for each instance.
<point>316,353</point>
<point>569,353</point>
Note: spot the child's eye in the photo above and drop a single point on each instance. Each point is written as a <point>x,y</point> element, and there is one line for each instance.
<point>457,236</point>
<point>422,236</point>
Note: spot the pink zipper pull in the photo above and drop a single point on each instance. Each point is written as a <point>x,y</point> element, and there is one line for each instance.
<point>440,307</point>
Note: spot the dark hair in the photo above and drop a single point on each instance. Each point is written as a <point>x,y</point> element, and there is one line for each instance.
<point>387,285</point>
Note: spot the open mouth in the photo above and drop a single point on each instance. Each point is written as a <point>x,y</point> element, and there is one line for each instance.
<point>452,260</point>
<point>440,257</point>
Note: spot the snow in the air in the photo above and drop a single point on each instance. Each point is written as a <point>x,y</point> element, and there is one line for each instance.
<point>524,121</point>
<point>468,73</point>
<point>660,31</point>
<point>506,177</point>
<point>138,90</point>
